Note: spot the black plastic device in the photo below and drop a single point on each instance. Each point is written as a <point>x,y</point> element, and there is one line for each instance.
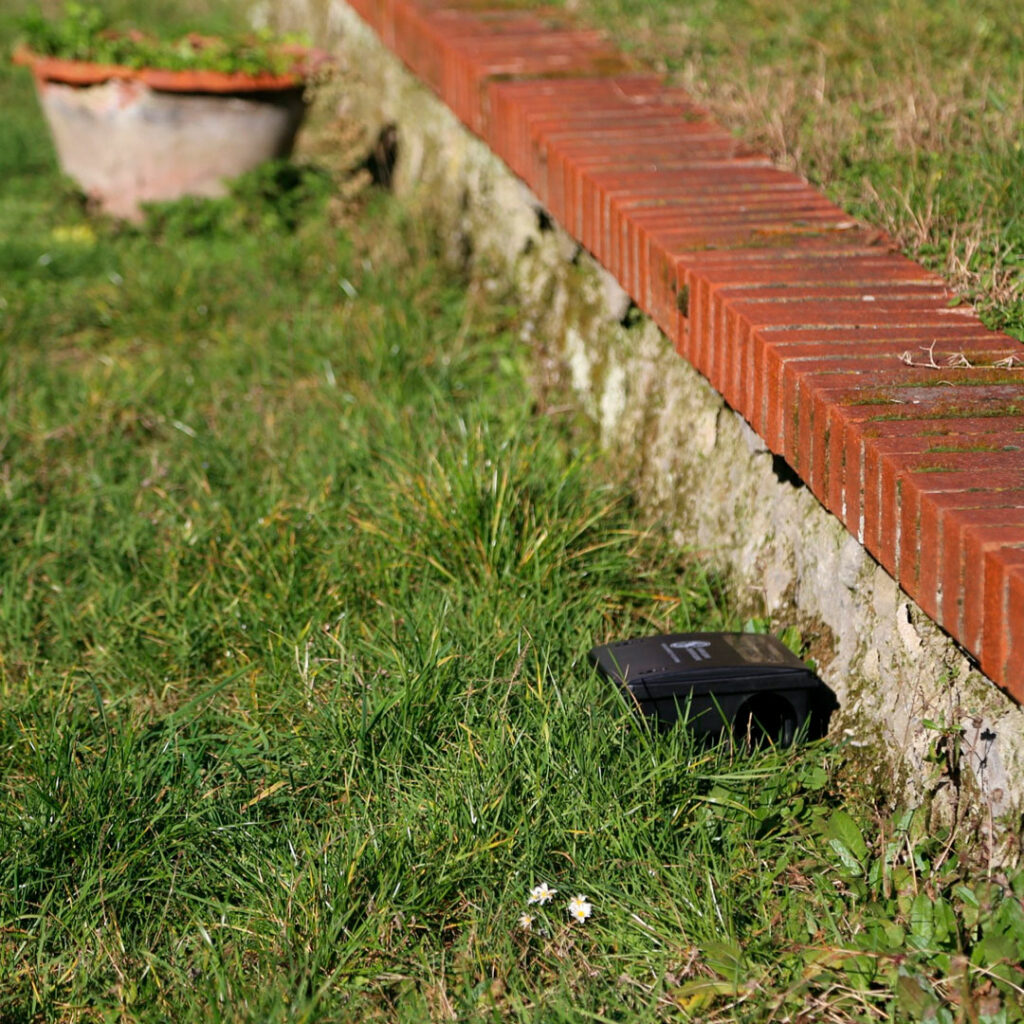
<point>748,683</point>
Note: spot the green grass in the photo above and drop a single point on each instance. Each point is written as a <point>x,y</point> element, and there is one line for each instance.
<point>295,593</point>
<point>906,112</point>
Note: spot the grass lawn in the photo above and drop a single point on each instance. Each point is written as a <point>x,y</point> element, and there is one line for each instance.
<point>295,592</point>
<point>906,112</point>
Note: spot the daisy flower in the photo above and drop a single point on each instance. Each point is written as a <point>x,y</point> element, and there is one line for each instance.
<point>541,894</point>
<point>526,922</point>
<point>580,909</point>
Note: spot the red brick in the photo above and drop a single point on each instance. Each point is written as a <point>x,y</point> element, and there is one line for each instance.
<point>848,441</point>
<point>970,536</point>
<point>740,383</point>
<point>1003,631</point>
<point>650,245</point>
<point>710,183</point>
<point>775,348</point>
<point>472,62</point>
<point>713,215</point>
<point>925,403</point>
<point>570,159</point>
<point>797,389</point>
<point>431,40</point>
<point>900,468</point>
<point>830,455</point>
<point>560,160</point>
<point>516,104</point>
<point>709,187</point>
<point>918,575</point>
<point>825,236</point>
<point>1013,676</point>
<point>692,275</point>
<point>548,167</point>
<point>919,539</point>
<point>757,268</point>
<point>877,379</point>
<point>867,281</point>
<point>941,496</point>
<point>558,127</point>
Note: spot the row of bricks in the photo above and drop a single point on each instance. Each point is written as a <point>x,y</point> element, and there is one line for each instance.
<point>901,412</point>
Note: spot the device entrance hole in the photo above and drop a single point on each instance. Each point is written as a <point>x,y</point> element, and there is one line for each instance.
<point>765,718</point>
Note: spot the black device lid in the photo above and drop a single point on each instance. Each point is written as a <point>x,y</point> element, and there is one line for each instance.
<point>696,658</point>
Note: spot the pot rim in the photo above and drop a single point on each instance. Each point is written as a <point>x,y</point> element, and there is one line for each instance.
<point>79,72</point>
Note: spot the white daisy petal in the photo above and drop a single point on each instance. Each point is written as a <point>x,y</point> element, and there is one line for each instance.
<point>541,894</point>
<point>580,909</point>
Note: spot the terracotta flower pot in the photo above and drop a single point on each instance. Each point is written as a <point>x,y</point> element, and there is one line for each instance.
<point>128,135</point>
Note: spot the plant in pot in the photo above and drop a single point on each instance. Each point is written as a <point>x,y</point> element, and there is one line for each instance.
<point>137,119</point>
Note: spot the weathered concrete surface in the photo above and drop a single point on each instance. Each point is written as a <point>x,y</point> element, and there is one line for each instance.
<point>700,469</point>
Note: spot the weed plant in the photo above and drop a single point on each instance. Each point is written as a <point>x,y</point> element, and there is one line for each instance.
<point>295,591</point>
